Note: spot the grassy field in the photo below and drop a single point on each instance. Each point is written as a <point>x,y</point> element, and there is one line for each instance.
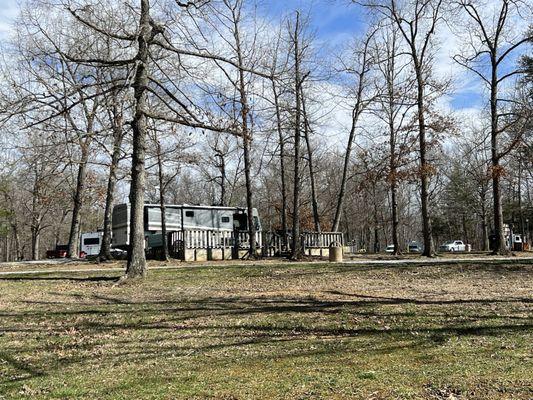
<point>290,331</point>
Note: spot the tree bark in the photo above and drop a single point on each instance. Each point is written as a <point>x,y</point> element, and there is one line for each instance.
<point>164,244</point>
<point>429,249</point>
<point>105,250</point>
<point>246,135</point>
<point>14,227</point>
<point>282,166</point>
<point>484,231</point>
<point>376,219</point>
<point>35,240</point>
<point>35,221</point>
<point>6,248</point>
<point>296,249</point>
<point>223,179</point>
<point>393,173</point>
<point>136,266</point>
<point>499,245</point>
<point>395,221</point>
<point>75,226</point>
<point>307,129</point>
<point>356,112</point>
<point>117,121</point>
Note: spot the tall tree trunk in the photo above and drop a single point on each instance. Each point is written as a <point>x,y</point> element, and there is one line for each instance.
<point>395,220</point>
<point>296,249</point>
<point>499,245</point>
<point>344,179</point>
<point>164,244</point>
<point>390,74</point>
<point>136,266</point>
<point>520,211</point>
<point>105,250</point>
<point>427,233</point>
<point>223,180</point>
<point>35,222</point>
<point>15,230</point>
<point>356,112</point>
<point>118,135</point>
<point>75,226</point>
<point>35,240</point>
<point>307,130</point>
<point>246,137</point>
<point>249,200</point>
<point>6,248</point>
<point>282,166</point>
<point>484,230</point>
<point>376,219</point>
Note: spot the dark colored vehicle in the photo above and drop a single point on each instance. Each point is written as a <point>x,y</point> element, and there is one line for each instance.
<point>60,251</point>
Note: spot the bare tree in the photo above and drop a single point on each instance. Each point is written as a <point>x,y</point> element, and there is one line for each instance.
<point>358,69</point>
<point>279,65</point>
<point>417,21</point>
<point>115,109</point>
<point>492,42</point>
<point>307,129</point>
<point>295,33</point>
<point>394,103</point>
<point>475,158</point>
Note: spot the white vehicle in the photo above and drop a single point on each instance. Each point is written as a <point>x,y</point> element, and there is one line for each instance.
<point>453,245</point>
<point>389,248</point>
<point>181,217</point>
<point>91,243</point>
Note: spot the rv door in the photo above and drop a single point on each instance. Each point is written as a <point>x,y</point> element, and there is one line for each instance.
<point>240,222</point>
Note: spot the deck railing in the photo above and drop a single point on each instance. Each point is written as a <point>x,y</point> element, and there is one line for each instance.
<point>321,240</point>
<point>213,239</point>
<point>276,244</point>
<point>270,243</point>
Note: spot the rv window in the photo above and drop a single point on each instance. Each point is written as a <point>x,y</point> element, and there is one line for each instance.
<point>225,219</point>
<point>189,213</point>
<point>91,241</point>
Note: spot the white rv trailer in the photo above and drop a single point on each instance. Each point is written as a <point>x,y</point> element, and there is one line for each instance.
<point>91,243</point>
<point>181,217</point>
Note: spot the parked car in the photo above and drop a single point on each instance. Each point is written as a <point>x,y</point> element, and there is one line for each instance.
<point>415,247</point>
<point>389,248</point>
<point>60,251</point>
<point>453,245</point>
<point>119,254</point>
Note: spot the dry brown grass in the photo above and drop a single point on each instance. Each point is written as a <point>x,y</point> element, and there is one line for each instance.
<point>270,331</point>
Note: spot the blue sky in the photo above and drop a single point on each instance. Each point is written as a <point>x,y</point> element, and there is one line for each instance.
<point>334,22</point>
<point>330,19</point>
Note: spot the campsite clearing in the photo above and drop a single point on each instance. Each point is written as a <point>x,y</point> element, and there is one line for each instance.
<point>271,331</point>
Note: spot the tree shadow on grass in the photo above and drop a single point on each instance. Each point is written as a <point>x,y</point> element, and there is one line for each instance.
<point>400,300</point>
<point>275,342</point>
<point>282,326</point>
<point>190,308</point>
<point>20,278</point>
